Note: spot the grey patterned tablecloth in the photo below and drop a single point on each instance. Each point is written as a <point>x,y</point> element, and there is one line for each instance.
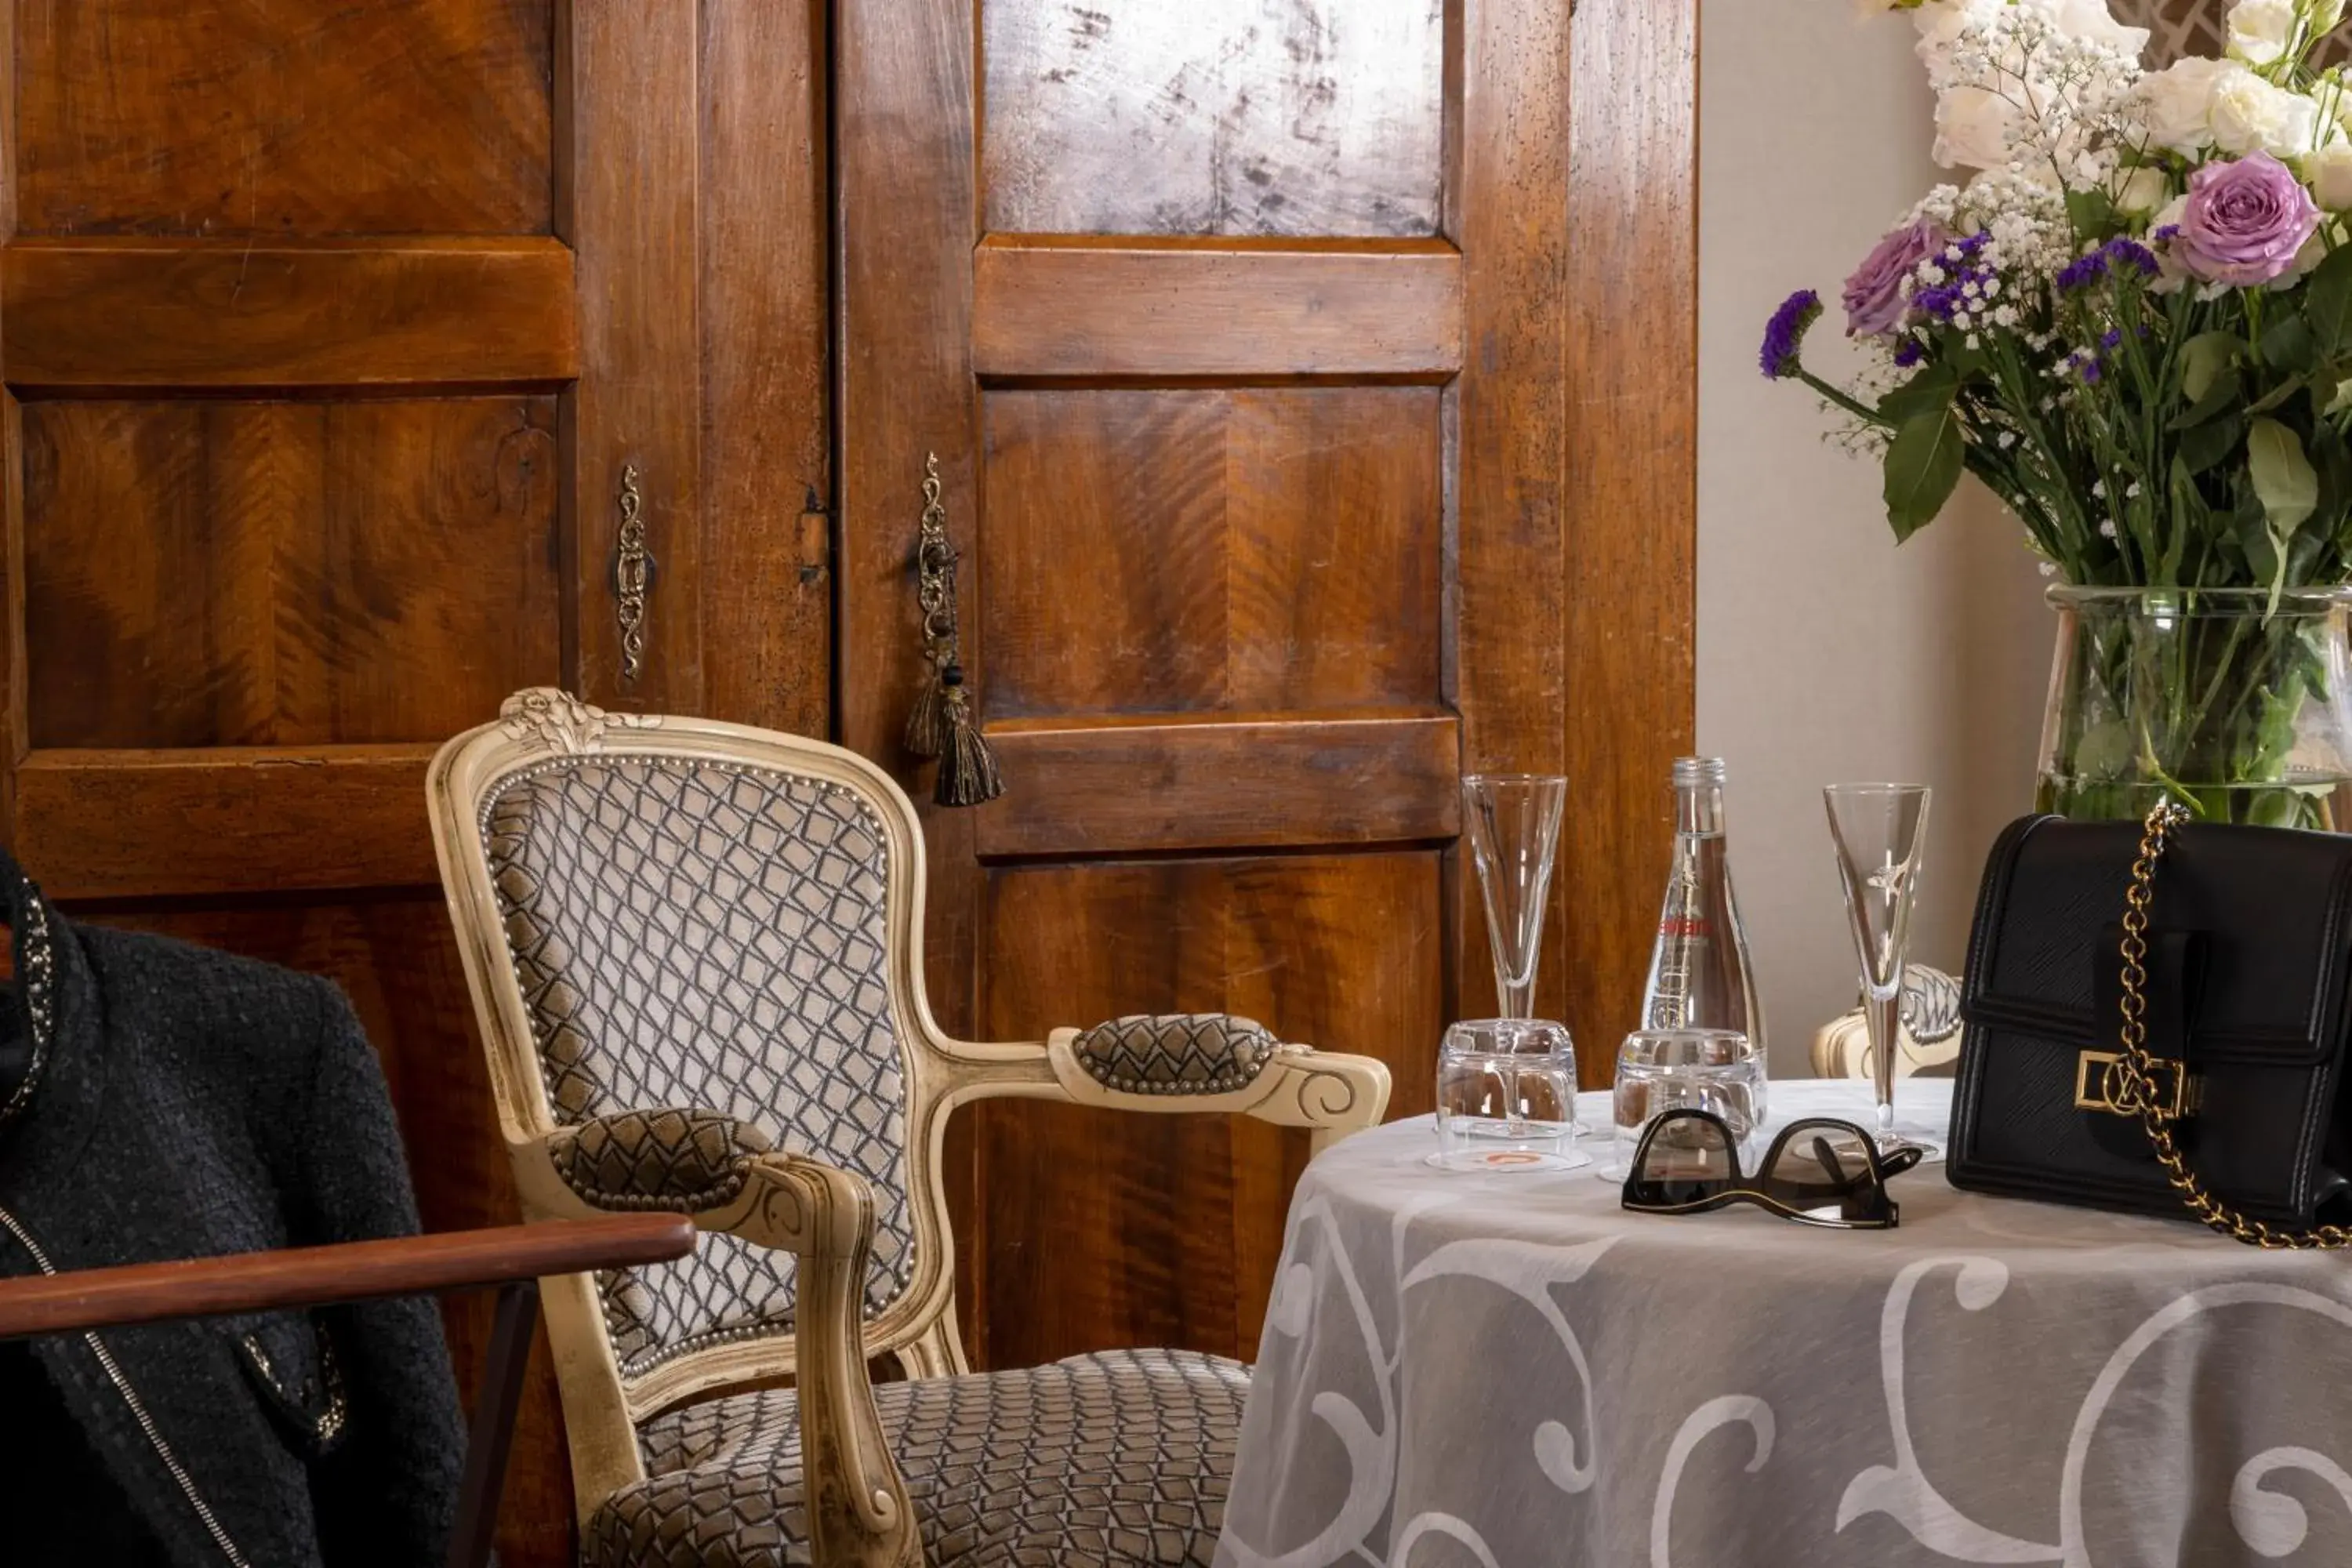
<point>1511,1370</point>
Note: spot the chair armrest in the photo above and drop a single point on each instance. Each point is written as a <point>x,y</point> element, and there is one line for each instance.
<point>1215,1061</point>
<point>725,1176</point>
<point>325,1276</point>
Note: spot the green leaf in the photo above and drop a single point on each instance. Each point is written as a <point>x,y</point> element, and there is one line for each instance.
<point>2289,344</point>
<point>2104,752</point>
<point>2282,477</point>
<point>2205,356</point>
<point>1933,388</point>
<point>1923,467</point>
<point>2222,393</point>
<point>2092,211</point>
<point>2288,487</point>
<point>2328,301</point>
<point>2203,446</point>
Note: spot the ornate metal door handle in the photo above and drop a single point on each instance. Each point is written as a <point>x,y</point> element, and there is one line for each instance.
<point>942,724</point>
<point>633,576</point>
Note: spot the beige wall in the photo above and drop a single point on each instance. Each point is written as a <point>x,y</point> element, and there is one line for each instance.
<point>1824,652</point>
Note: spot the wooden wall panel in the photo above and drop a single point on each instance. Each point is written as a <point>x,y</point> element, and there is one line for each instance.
<point>1214,548</point>
<point>765,261</point>
<point>1095,1220</point>
<point>117,313</point>
<point>1630,376</point>
<point>202,574</point>
<point>262,116</point>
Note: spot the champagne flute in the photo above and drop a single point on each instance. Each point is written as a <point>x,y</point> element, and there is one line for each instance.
<point>1513,821</point>
<point>1880,833</point>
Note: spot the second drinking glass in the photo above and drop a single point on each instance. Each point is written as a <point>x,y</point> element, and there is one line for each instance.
<point>1880,833</point>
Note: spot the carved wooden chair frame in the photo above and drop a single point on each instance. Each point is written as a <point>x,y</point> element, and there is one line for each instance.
<point>859,1508</point>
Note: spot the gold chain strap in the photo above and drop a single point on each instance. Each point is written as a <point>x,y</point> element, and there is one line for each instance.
<point>2135,1069</point>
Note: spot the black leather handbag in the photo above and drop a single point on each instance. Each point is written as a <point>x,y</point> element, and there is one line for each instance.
<point>2158,1019</point>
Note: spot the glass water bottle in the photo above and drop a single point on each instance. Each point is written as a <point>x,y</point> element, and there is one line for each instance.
<point>1700,977</point>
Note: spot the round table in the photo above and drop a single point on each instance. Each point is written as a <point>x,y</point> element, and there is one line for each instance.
<point>1510,1370</point>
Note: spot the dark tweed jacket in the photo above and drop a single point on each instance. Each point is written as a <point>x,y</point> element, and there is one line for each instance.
<point>168,1101</point>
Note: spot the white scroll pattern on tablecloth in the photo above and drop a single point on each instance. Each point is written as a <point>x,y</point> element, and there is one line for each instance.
<point>2270,1522</point>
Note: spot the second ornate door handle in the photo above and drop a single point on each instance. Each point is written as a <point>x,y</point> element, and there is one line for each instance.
<point>942,723</point>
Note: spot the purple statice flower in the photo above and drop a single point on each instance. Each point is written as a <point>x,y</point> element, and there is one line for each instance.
<point>2129,253</point>
<point>2083,271</point>
<point>2167,235</point>
<point>2111,337</point>
<point>1912,351</point>
<point>1965,275</point>
<point>1784,334</point>
<point>1875,300</point>
<point>2088,367</point>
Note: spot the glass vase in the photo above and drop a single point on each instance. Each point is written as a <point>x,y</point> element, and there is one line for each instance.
<point>2237,707</point>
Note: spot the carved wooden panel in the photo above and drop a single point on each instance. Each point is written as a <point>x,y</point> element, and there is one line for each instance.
<point>1095,1219</point>
<point>205,573</point>
<point>1239,549</point>
<point>282,117</point>
<point>1227,116</point>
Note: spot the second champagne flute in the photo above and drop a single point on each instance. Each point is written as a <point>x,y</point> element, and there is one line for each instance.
<point>1880,832</point>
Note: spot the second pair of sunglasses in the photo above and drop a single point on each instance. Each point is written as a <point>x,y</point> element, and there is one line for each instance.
<point>1818,1170</point>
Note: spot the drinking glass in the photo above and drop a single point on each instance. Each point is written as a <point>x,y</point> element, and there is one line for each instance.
<point>1659,1070</point>
<point>1514,827</point>
<point>1506,1097</point>
<point>1880,832</point>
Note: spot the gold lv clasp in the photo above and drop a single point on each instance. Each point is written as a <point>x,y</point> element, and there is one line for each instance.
<point>2100,1086</point>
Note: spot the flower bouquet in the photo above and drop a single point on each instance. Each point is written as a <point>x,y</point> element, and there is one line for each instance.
<point>2132,320</point>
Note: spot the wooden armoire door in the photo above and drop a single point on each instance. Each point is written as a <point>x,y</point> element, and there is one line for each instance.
<point>340,344</point>
<point>1302,457</point>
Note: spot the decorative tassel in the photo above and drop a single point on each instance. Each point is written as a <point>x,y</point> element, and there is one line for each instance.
<point>968,773</point>
<point>926,721</point>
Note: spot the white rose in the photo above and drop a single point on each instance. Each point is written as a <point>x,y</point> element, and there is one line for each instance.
<point>2143,191</point>
<point>2329,173</point>
<point>1940,23</point>
<point>2259,30</point>
<point>2247,112</point>
<point>2091,20</point>
<point>2173,102</point>
<point>1972,129</point>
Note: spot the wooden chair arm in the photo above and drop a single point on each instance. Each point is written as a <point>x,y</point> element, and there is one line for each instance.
<point>320,1276</point>
<point>860,1515</point>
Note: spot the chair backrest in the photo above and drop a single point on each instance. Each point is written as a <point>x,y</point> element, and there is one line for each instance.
<point>672,911</point>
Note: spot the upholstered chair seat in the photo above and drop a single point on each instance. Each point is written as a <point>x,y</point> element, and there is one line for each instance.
<point>1118,1459</point>
<point>695,952</point>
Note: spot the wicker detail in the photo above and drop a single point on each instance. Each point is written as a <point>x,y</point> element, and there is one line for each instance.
<point>682,1160</point>
<point>1176,1053</point>
<point>1118,1458</point>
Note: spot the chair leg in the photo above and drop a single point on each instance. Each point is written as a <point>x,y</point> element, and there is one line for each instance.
<point>492,1433</point>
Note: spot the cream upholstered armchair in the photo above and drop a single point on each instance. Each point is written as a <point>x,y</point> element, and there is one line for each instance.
<point>695,952</point>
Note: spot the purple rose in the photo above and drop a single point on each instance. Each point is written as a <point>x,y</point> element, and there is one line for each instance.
<point>1874,301</point>
<point>2244,221</point>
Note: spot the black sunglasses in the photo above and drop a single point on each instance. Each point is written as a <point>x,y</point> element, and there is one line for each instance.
<point>1818,1170</point>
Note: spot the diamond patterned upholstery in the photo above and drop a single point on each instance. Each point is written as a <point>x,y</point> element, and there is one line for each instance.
<point>682,1160</point>
<point>693,933</point>
<point>1176,1053</point>
<point>1120,1458</point>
